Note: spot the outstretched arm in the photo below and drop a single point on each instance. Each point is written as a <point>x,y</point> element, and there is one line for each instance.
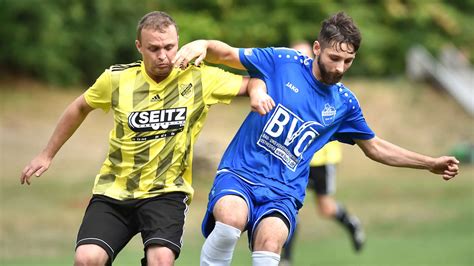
<point>387,153</point>
<point>71,119</point>
<point>212,51</point>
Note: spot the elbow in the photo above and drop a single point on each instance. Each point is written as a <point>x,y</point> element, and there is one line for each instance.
<point>374,153</point>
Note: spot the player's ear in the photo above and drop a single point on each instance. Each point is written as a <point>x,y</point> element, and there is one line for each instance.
<point>316,48</point>
<point>138,44</point>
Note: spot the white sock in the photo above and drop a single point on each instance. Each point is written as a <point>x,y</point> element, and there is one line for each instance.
<point>265,258</point>
<point>219,245</point>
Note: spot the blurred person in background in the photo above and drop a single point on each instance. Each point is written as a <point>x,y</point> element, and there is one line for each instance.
<point>144,185</point>
<point>322,181</point>
<point>261,180</point>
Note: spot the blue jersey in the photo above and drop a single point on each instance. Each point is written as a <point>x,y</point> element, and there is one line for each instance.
<point>275,150</point>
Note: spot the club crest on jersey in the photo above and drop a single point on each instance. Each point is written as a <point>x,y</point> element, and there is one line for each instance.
<point>186,89</point>
<point>165,119</point>
<point>286,136</point>
<point>328,114</point>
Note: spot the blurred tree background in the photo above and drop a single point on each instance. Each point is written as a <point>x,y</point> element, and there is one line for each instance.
<point>70,42</point>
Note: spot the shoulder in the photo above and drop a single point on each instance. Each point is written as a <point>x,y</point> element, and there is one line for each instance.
<point>289,55</point>
<point>347,96</point>
<point>281,54</point>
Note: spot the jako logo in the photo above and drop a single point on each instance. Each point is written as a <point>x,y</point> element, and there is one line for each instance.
<point>292,87</point>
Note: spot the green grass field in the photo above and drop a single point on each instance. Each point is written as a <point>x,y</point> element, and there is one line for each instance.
<point>411,217</point>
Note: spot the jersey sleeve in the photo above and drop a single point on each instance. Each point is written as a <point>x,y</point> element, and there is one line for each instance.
<point>219,86</point>
<point>259,62</point>
<point>354,126</point>
<point>99,94</point>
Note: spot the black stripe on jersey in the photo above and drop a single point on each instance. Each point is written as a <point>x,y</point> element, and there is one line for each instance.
<point>198,106</point>
<point>141,89</point>
<point>163,166</point>
<point>168,149</point>
<point>108,179</point>
<point>120,67</point>
<point>172,95</point>
<point>140,158</point>
<point>115,81</point>
<point>119,131</point>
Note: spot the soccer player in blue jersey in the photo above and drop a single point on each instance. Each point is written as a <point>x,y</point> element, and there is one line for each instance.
<point>322,181</point>
<point>261,180</point>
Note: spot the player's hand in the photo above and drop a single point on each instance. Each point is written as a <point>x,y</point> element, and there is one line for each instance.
<point>261,102</point>
<point>37,166</point>
<point>447,166</point>
<point>193,50</point>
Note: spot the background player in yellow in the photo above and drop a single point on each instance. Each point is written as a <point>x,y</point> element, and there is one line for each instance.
<point>144,184</point>
<point>322,180</point>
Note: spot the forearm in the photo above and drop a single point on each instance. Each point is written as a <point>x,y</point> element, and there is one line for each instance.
<point>221,53</point>
<point>396,156</point>
<point>390,154</point>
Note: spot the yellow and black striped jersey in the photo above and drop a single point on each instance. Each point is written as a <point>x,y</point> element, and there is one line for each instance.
<point>155,126</point>
<point>331,153</point>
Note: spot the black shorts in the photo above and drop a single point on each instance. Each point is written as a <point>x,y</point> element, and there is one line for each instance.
<point>111,223</point>
<point>322,179</point>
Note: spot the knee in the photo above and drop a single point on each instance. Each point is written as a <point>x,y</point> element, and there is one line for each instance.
<point>326,207</point>
<point>159,255</point>
<point>325,211</point>
<point>88,255</point>
<point>234,221</point>
<point>269,244</point>
<point>232,211</point>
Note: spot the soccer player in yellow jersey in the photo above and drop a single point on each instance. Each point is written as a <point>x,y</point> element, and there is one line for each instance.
<point>144,184</point>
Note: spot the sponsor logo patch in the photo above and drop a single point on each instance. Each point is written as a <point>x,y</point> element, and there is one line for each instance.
<point>165,119</point>
<point>286,136</point>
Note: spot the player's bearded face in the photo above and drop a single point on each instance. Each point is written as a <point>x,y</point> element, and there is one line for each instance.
<point>328,77</point>
<point>158,49</point>
<point>333,62</point>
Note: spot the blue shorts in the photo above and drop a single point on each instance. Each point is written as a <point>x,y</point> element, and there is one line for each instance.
<point>261,201</point>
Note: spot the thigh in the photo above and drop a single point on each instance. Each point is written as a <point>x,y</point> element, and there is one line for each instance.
<point>229,202</point>
<point>283,209</point>
<point>161,221</point>
<point>108,224</point>
<point>270,234</point>
<point>231,210</point>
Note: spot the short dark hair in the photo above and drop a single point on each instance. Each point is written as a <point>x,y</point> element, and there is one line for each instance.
<point>157,20</point>
<point>338,29</point>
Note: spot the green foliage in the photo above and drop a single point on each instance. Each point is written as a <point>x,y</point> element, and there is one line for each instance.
<point>72,41</point>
